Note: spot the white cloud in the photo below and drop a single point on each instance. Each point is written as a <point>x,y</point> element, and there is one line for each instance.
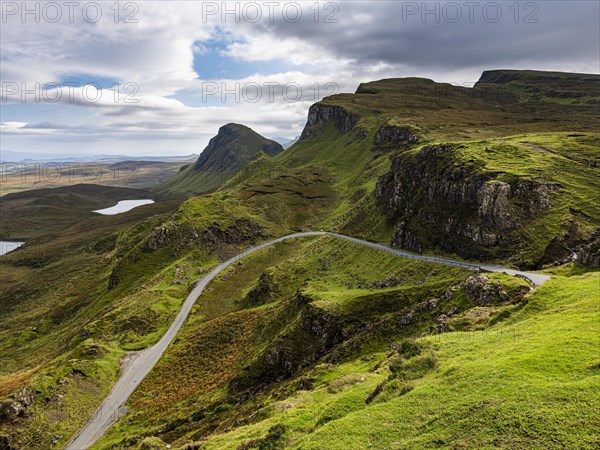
<point>369,41</point>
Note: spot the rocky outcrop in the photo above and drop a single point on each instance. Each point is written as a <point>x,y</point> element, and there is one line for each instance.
<point>113,281</point>
<point>315,333</point>
<point>403,238</point>
<point>12,409</point>
<point>393,137</point>
<point>363,88</point>
<point>263,291</point>
<point>5,443</point>
<point>244,230</point>
<point>159,237</point>
<point>180,238</point>
<point>323,325</point>
<point>435,199</point>
<point>589,255</point>
<point>312,332</point>
<point>320,114</point>
<point>482,293</point>
<point>213,237</point>
<point>233,146</point>
<point>227,154</point>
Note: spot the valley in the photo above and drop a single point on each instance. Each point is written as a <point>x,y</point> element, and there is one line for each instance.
<point>28,175</point>
<point>419,270</point>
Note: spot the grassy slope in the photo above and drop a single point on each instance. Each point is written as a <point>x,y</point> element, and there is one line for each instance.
<point>42,212</point>
<point>529,382</point>
<point>62,323</point>
<point>227,333</point>
<point>325,182</point>
<point>40,299</point>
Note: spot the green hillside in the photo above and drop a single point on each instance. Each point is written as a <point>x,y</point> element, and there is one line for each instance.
<point>321,343</point>
<point>226,155</point>
<point>39,212</point>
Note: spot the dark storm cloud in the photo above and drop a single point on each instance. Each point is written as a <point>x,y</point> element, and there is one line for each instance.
<point>397,33</point>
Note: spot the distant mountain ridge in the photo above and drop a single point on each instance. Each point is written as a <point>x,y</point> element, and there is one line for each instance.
<point>13,156</point>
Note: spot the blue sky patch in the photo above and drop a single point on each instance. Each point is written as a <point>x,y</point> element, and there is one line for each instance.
<point>81,79</point>
<point>212,64</point>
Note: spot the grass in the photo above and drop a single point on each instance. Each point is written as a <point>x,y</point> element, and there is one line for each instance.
<point>221,346</point>
<point>42,212</point>
<point>64,331</point>
<point>529,382</point>
<point>304,345</point>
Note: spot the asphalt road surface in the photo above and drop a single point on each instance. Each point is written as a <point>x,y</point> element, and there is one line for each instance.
<point>139,364</point>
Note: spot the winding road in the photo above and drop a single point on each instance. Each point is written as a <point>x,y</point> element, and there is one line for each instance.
<point>139,364</point>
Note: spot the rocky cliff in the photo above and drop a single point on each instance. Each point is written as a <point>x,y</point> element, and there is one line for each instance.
<point>393,137</point>
<point>434,200</point>
<point>320,114</point>
<point>589,255</point>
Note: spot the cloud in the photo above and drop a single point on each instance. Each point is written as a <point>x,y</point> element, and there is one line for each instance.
<point>349,42</point>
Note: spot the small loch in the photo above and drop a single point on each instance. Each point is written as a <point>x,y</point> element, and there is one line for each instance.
<point>9,246</point>
<point>123,206</point>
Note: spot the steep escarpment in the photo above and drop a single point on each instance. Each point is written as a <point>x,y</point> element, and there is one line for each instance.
<point>320,114</point>
<point>444,197</point>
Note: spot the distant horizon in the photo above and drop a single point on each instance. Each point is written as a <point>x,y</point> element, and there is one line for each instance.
<point>34,156</point>
<point>27,156</point>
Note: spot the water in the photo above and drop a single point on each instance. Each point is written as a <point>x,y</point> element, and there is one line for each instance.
<point>9,246</point>
<point>123,206</point>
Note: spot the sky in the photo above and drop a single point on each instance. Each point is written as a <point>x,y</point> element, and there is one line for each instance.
<point>160,78</point>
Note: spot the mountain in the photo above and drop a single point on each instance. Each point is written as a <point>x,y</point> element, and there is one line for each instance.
<point>286,142</point>
<point>226,155</point>
<point>322,343</point>
<point>548,86</point>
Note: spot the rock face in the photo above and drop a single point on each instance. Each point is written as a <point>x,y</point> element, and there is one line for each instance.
<point>589,255</point>
<point>434,201</point>
<point>392,137</point>
<point>320,114</point>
